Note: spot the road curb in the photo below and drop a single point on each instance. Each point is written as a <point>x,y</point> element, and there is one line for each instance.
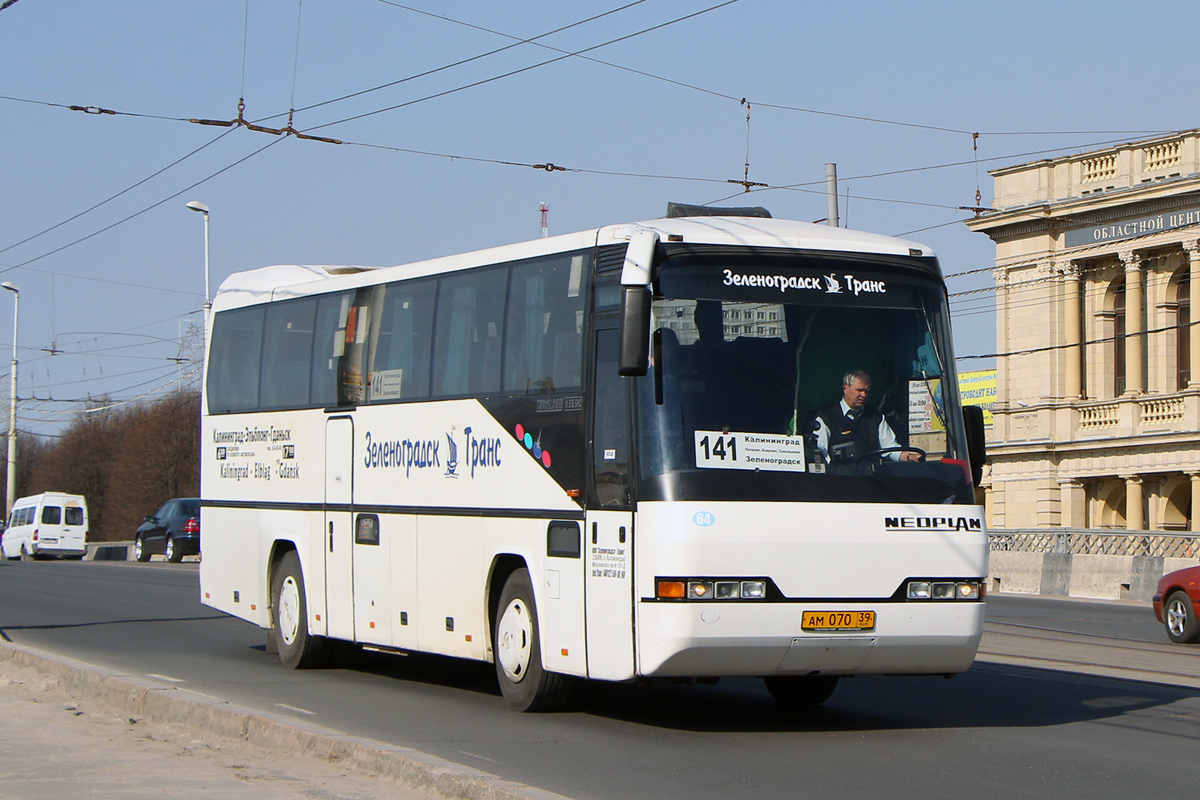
<point>147,699</point>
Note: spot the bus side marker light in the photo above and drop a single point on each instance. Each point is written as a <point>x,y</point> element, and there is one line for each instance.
<point>467,637</point>
<point>564,652</point>
<point>318,616</point>
<point>372,624</point>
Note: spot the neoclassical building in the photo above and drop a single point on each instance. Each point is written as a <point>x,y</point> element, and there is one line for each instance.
<point>1097,423</point>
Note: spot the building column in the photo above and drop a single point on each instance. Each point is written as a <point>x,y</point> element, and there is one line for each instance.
<point>1193,253</point>
<point>1135,345</point>
<point>1073,330</point>
<point>1073,504</point>
<point>1194,511</point>
<point>1134,520</point>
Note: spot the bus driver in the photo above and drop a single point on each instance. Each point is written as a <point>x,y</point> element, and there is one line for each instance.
<point>848,429</point>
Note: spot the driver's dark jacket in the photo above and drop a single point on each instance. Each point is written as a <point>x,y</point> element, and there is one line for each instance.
<point>862,430</point>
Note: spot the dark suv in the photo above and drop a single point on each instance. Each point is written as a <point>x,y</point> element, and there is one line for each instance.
<point>174,531</point>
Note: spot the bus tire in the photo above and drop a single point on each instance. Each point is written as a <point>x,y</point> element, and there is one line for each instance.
<point>298,649</point>
<point>801,691</point>
<point>517,647</point>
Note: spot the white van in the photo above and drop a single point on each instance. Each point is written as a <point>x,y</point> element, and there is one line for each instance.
<point>47,524</point>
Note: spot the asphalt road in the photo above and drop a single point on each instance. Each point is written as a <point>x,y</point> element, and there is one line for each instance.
<point>1004,729</point>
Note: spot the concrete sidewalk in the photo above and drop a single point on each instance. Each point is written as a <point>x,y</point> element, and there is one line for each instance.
<point>70,730</point>
<point>56,745</point>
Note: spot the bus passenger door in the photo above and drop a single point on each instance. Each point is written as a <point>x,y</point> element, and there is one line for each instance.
<point>338,538</point>
<point>609,531</point>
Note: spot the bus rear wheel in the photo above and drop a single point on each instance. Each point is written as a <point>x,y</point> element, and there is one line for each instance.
<point>298,649</point>
<point>517,649</point>
<point>801,691</point>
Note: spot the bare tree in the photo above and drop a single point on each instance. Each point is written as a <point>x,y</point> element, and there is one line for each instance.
<point>125,461</point>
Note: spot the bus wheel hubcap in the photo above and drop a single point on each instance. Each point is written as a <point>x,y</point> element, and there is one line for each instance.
<point>514,640</point>
<point>289,610</point>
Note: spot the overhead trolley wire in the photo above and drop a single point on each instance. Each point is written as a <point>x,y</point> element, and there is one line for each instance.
<point>723,95</point>
<point>517,43</point>
<point>143,211</point>
<point>529,68</point>
<point>126,190</point>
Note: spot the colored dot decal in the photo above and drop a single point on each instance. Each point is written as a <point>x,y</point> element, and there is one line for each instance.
<point>535,448</point>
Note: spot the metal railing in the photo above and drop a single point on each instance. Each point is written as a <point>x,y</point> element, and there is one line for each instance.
<point>1090,541</point>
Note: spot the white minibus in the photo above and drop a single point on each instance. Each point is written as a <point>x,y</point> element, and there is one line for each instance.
<point>46,524</point>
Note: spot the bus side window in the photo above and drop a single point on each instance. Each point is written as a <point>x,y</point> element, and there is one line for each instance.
<point>544,341</point>
<point>611,440</point>
<point>287,353</point>
<point>233,360</point>
<point>329,343</point>
<point>470,320</point>
<point>399,365</point>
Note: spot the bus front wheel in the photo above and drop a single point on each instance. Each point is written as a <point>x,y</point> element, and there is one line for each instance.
<point>298,649</point>
<point>517,649</point>
<point>801,691</point>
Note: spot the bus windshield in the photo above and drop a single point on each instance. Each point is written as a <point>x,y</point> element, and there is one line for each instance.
<point>753,357</point>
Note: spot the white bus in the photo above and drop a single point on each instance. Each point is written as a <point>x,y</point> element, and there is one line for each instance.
<point>598,456</point>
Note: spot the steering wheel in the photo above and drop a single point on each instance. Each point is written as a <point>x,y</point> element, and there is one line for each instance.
<point>885,450</point>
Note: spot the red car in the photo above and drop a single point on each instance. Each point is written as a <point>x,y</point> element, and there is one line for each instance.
<point>1177,604</point>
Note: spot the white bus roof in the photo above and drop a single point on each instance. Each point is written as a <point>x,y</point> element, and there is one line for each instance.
<point>276,282</point>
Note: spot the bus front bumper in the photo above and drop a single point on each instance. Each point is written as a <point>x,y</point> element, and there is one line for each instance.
<point>714,639</point>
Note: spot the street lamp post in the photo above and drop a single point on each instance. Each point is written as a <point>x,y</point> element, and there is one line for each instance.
<point>196,205</point>
<point>12,406</point>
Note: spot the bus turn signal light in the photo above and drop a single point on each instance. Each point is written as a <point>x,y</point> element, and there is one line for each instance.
<point>671,590</point>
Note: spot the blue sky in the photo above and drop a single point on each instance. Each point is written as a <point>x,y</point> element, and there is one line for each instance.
<point>890,92</point>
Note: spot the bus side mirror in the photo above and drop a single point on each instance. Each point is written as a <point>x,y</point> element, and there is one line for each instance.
<point>633,357</point>
<point>976,443</point>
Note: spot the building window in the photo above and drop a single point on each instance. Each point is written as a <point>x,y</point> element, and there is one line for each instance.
<point>1183,319</point>
<point>1119,337</point>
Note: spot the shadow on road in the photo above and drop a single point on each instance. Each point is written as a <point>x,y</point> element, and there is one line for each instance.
<point>987,696</point>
